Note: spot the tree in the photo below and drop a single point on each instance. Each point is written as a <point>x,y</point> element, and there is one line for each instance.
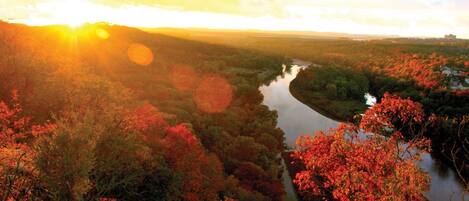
<point>18,177</point>
<point>393,114</point>
<point>254,178</point>
<point>127,169</point>
<point>65,159</point>
<point>421,69</point>
<point>450,140</point>
<point>331,91</point>
<point>201,174</point>
<point>342,165</point>
<point>245,149</point>
<point>345,165</point>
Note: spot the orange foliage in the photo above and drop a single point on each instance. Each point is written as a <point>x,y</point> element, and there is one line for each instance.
<point>202,173</point>
<point>16,154</point>
<point>424,71</point>
<point>390,114</point>
<point>346,166</point>
<point>186,154</point>
<point>145,119</point>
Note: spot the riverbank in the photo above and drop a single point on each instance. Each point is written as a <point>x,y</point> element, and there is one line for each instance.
<point>295,166</point>
<point>296,118</point>
<point>338,110</point>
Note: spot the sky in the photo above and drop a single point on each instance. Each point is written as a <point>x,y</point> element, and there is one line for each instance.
<point>412,18</point>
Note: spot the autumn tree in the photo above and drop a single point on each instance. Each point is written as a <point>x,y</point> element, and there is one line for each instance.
<point>18,176</point>
<point>348,164</point>
<point>422,69</point>
<point>201,173</point>
<point>126,154</point>
<point>394,114</point>
<point>145,158</point>
<point>341,164</point>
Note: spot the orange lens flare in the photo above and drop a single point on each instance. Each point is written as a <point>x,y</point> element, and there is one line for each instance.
<point>213,95</point>
<point>101,33</point>
<point>183,77</point>
<point>140,54</point>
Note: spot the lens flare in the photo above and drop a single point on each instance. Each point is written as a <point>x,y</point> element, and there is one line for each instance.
<point>140,54</point>
<point>101,33</point>
<point>213,95</point>
<point>183,77</point>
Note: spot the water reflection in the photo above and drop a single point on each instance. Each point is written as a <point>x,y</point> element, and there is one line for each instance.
<point>295,119</point>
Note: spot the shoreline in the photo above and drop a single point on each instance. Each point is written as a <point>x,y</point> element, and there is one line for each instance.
<point>346,117</point>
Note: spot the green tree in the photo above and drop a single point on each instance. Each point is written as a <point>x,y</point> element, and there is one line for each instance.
<point>331,90</point>
<point>65,159</point>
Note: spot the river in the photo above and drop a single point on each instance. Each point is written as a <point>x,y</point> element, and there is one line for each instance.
<point>296,118</point>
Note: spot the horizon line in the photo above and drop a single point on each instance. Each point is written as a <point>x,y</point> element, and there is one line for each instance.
<point>280,31</point>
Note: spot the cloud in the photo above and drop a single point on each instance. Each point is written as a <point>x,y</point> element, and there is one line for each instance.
<point>397,17</point>
<point>252,8</point>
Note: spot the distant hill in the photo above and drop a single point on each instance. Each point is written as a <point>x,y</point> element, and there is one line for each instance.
<point>264,33</point>
<point>211,89</point>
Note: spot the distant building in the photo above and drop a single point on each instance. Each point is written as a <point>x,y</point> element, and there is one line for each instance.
<point>455,79</point>
<point>447,71</point>
<point>450,36</point>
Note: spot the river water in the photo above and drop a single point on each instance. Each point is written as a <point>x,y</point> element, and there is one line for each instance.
<point>296,118</point>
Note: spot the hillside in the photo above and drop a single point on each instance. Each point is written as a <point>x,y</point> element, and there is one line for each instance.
<point>100,72</point>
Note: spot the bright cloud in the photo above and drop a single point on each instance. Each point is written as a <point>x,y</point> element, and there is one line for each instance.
<point>397,17</point>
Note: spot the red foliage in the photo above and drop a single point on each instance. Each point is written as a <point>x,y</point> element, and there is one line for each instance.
<point>145,119</point>
<point>391,114</point>
<point>107,199</point>
<point>179,140</point>
<point>14,128</point>
<point>185,153</point>
<point>424,71</point>
<point>201,173</point>
<point>16,162</point>
<point>345,166</point>
<point>461,93</point>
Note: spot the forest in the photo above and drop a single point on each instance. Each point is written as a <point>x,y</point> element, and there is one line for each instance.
<point>108,112</point>
<point>343,69</point>
<point>336,91</point>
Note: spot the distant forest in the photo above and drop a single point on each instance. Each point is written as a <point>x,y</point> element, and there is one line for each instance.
<point>344,68</point>
<point>107,112</point>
